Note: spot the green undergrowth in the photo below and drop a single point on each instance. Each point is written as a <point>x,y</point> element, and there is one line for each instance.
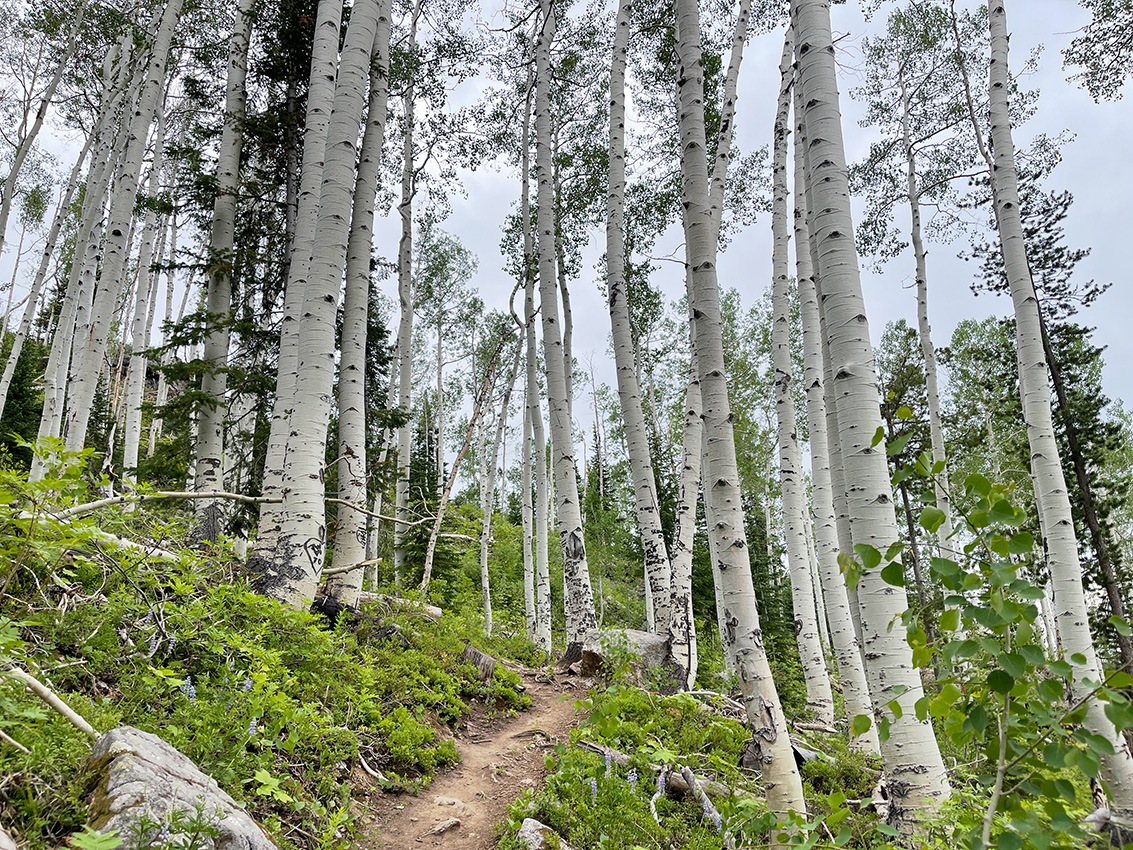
<point>270,701</point>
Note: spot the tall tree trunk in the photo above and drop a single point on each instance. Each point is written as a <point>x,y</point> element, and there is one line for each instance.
<point>936,429</point>
<point>320,99</point>
<point>1051,495</point>
<point>578,597</point>
<point>658,571</point>
<point>209,472</point>
<point>91,337</point>
<point>683,629</point>
<point>820,699</point>
<point>162,394</point>
<point>910,755</point>
<point>351,530</point>
<point>293,573</point>
<point>528,512</point>
<point>764,712</point>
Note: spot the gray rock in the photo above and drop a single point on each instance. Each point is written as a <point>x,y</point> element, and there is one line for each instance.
<point>609,649</point>
<point>538,836</point>
<point>6,841</point>
<point>139,774</point>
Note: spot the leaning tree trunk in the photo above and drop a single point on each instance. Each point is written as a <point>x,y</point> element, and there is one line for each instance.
<point>658,571</point>
<point>209,472</point>
<point>722,488</point>
<point>91,338</point>
<point>820,699</point>
<point>1051,495</point>
<point>345,583</point>
<point>320,98</point>
<point>293,572</point>
<point>910,755</point>
<point>936,430</point>
<point>847,651</point>
<point>578,597</point>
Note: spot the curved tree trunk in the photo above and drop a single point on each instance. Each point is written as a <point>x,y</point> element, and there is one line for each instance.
<point>579,598</point>
<point>820,699</point>
<point>1051,495</point>
<point>351,530</point>
<point>722,491</point>
<point>209,472</point>
<point>910,755</point>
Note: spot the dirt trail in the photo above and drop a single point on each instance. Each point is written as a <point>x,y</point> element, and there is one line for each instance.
<point>500,758</point>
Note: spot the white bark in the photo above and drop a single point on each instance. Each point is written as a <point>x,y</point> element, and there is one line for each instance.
<point>683,629</point>
<point>820,699</point>
<point>578,596</point>
<point>658,571</point>
<point>351,530</point>
<point>1051,494</point>
<point>910,755</point>
<point>162,395</point>
<point>847,651</point>
<point>528,513</point>
<point>320,98</point>
<point>297,561</point>
<point>209,471</point>
<point>764,712</point>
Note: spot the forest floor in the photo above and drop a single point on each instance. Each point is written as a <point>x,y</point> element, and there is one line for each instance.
<point>501,757</point>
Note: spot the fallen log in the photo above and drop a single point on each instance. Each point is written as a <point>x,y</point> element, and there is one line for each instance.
<point>676,782</point>
<point>397,603</point>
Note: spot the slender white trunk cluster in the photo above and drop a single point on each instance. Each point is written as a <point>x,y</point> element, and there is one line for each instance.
<point>721,477</point>
<point>297,560</point>
<point>910,755</point>
<point>578,597</point>
<point>1051,495</point>
<point>351,530</point>
<point>209,472</point>
<point>658,571</point>
<point>683,628</point>
<point>795,526</point>
<point>162,394</point>
<point>847,651</point>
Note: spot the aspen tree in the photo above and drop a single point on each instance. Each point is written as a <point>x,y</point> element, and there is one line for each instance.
<point>683,629</point>
<point>847,651</point>
<point>351,529</point>
<point>658,570</point>
<point>1059,539</point>
<point>293,573</point>
<point>91,336</point>
<point>320,98</point>
<point>910,753</point>
<point>162,393</point>
<point>208,475</point>
<point>578,596</point>
<point>795,528</point>
<point>726,520</point>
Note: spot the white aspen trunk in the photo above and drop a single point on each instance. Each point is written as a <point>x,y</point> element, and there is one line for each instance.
<point>528,513</point>
<point>351,531</point>
<point>683,629</point>
<point>211,514</point>
<point>136,377</point>
<point>816,586</point>
<point>1060,542</point>
<point>843,635</point>
<point>440,406</point>
<point>320,98</point>
<point>32,303</point>
<point>578,596</point>
<point>297,562</point>
<point>764,713</point>
<point>374,527</point>
<point>820,699</point>
<point>910,755</point>
<point>658,570</point>
<point>162,394</point>
<point>25,135</point>
<point>924,329</point>
<point>92,337</point>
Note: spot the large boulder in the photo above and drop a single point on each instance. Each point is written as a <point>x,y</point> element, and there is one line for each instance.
<point>612,651</point>
<point>538,836</point>
<point>139,775</point>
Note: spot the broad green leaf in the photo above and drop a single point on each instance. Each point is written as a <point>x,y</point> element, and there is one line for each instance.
<point>869,556</point>
<point>976,719</point>
<point>950,620</point>
<point>895,707</point>
<point>967,649</point>
<point>898,445</point>
<point>944,567</point>
<point>1061,669</point>
<point>1034,654</point>
<point>886,829</point>
<point>1009,841</point>
<point>977,484</point>
<point>894,573</point>
<point>1005,513</point>
<point>904,412</point>
<point>861,724</point>
<point>1120,679</point>
<point>1022,543</point>
<point>1000,681</point>
<point>1066,788</point>
<point>1078,658</point>
<point>1054,755</point>
<point>902,474</point>
<point>878,436</point>
<point>1122,626</point>
<point>1014,664</point>
<point>894,550</point>
<point>932,518</point>
<point>943,701</point>
<point>938,467</point>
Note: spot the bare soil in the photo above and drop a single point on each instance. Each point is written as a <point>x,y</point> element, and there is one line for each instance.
<point>500,758</point>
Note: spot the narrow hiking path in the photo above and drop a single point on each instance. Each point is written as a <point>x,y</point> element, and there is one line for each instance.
<point>500,758</point>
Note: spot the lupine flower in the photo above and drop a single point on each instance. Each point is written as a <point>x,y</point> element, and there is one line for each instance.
<point>149,617</point>
<point>251,727</point>
<point>163,836</point>
<point>188,689</point>
<point>593,790</point>
<point>717,821</point>
<point>632,777</point>
<point>154,640</point>
<point>248,684</point>
<point>609,761</point>
<point>172,642</point>
<point>661,782</point>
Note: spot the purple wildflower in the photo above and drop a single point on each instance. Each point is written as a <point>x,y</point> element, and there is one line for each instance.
<point>632,777</point>
<point>172,642</point>
<point>593,790</point>
<point>188,689</point>
<point>163,836</point>
<point>609,761</point>
<point>251,727</point>
<point>661,782</point>
<point>149,617</point>
<point>248,684</point>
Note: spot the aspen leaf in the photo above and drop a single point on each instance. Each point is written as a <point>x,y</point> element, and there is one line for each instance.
<point>1013,663</point>
<point>944,566</point>
<point>1034,654</point>
<point>886,829</point>
<point>1120,679</point>
<point>938,467</point>
<point>1006,513</point>
<point>861,724</point>
<point>1009,841</point>
<point>977,484</point>
<point>1061,669</point>
<point>870,557</point>
<point>894,550</point>
<point>950,620</point>
<point>1066,788</point>
<point>1078,658</point>
<point>976,719</point>
<point>904,412</point>
<point>894,573</point>
<point>895,707</point>
<point>1121,626</point>
<point>898,445</point>
<point>878,436</point>
<point>1022,543</point>
<point>1000,681</point>
<point>902,474</point>
<point>932,518</point>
